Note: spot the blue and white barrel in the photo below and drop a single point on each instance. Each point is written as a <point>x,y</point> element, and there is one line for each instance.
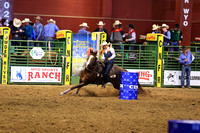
<point>129,86</point>
<point>184,126</point>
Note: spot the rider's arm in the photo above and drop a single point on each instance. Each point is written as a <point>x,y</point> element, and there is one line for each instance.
<point>113,54</point>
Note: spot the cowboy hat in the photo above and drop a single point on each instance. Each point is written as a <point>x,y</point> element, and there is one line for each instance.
<point>117,22</point>
<point>26,20</point>
<point>165,26</point>
<point>38,18</point>
<point>17,22</point>
<point>131,26</point>
<point>154,27</point>
<point>84,25</point>
<point>101,23</point>
<point>50,20</point>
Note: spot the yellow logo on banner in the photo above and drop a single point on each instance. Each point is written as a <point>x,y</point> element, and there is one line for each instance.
<point>94,36</point>
<point>151,37</point>
<point>68,60</point>
<point>1,31</point>
<point>61,34</point>
<point>6,34</point>
<point>159,66</point>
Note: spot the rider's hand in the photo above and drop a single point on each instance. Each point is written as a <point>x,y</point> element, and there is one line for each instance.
<point>186,60</point>
<point>103,60</point>
<point>109,59</point>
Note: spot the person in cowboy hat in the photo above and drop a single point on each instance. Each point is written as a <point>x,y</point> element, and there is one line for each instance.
<point>16,31</point>
<point>131,36</point>
<point>83,29</point>
<point>49,31</point>
<point>108,57</point>
<point>185,59</point>
<point>102,29</point>
<point>155,28</point>
<point>38,27</point>
<point>166,34</point>
<point>176,37</point>
<point>117,34</point>
<point>28,30</point>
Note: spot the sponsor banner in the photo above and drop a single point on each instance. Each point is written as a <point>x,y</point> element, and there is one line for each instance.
<point>36,74</point>
<point>37,53</point>
<point>6,12</point>
<point>174,78</point>
<point>151,37</point>
<point>146,77</point>
<point>81,44</point>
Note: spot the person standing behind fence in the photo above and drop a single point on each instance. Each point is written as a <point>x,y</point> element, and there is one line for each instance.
<point>166,34</point>
<point>176,38</point>
<point>155,28</point>
<point>102,29</point>
<point>38,27</point>
<point>83,29</point>
<point>131,36</point>
<point>16,31</point>
<point>28,30</point>
<point>49,31</point>
<point>185,59</point>
<point>117,34</point>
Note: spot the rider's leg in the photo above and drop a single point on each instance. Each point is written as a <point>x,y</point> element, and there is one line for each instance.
<point>109,66</point>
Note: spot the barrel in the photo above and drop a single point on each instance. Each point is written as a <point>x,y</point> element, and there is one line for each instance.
<point>184,126</point>
<point>129,86</point>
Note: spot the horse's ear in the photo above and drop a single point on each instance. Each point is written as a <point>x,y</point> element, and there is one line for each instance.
<point>95,53</point>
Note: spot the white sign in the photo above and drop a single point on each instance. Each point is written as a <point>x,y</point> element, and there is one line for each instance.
<point>146,77</point>
<point>36,74</point>
<point>174,78</point>
<point>37,53</point>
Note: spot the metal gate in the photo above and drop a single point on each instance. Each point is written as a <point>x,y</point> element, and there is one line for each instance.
<point>144,58</point>
<point>26,54</point>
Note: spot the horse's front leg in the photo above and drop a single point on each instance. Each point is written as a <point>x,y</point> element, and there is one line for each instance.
<point>74,87</point>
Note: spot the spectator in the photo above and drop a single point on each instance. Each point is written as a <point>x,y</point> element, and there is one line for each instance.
<point>83,29</point>
<point>117,34</point>
<point>131,36</point>
<point>16,31</point>
<point>49,31</point>
<point>185,59</point>
<point>28,30</point>
<point>33,35</point>
<point>102,29</point>
<point>176,37</point>
<point>166,34</point>
<point>38,27</point>
<point>108,57</point>
<point>155,28</point>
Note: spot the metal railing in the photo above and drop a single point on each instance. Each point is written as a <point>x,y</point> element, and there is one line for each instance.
<point>146,57</point>
<point>19,54</point>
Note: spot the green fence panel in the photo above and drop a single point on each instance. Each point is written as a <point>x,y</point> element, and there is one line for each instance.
<point>146,57</point>
<point>19,55</point>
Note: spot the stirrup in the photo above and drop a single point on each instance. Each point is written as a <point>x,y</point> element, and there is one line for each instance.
<point>113,76</point>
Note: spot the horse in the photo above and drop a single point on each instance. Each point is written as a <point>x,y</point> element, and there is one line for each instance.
<point>92,74</point>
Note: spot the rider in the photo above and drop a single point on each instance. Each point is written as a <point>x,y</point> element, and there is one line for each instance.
<point>108,57</point>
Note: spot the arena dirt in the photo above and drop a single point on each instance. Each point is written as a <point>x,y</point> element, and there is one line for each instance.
<point>39,109</point>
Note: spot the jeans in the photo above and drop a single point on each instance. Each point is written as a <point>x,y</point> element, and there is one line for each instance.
<point>30,43</point>
<point>49,39</point>
<point>187,70</point>
<point>108,67</point>
<point>174,48</point>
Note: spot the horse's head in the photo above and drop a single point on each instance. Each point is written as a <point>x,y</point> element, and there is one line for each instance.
<point>91,60</point>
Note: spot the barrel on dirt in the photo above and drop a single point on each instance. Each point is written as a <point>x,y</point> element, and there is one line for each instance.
<point>184,126</point>
<point>129,86</point>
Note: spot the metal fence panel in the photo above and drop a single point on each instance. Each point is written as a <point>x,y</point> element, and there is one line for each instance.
<point>19,55</point>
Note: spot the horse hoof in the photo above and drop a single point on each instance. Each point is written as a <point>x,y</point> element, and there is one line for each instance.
<point>61,94</point>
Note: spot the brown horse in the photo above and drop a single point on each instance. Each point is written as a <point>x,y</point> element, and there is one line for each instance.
<point>92,74</point>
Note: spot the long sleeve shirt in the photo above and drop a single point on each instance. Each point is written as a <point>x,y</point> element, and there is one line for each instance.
<point>38,27</point>
<point>28,30</point>
<point>131,35</point>
<point>167,36</point>
<point>83,31</point>
<point>14,29</point>
<point>183,57</point>
<point>106,51</point>
<point>50,30</point>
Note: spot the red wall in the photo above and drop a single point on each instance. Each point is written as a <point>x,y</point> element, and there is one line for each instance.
<point>70,13</point>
